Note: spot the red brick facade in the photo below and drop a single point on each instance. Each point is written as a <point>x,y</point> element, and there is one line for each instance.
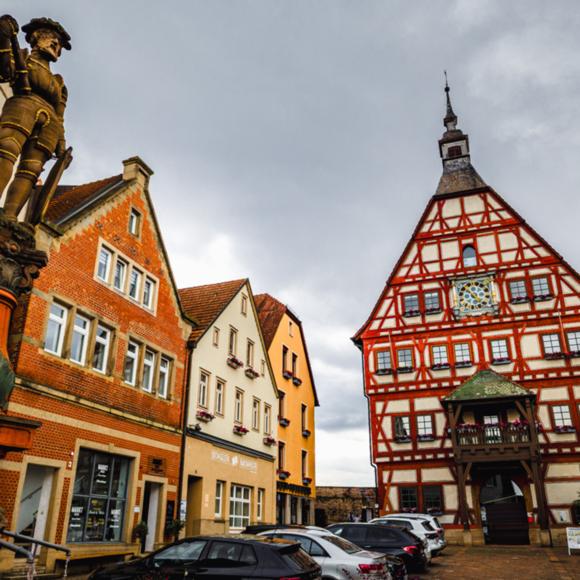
<point>80,407</point>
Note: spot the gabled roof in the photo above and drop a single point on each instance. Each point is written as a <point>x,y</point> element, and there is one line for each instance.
<point>205,303</point>
<point>270,313</point>
<point>68,200</point>
<point>487,384</point>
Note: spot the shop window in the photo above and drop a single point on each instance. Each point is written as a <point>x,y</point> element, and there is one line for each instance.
<point>99,498</point>
<point>239,506</point>
<point>219,498</point>
<point>102,349</point>
<point>55,329</point>
<point>469,257</point>
<point>408,498</point>
<point>131,361</point>
<point>80,339</point>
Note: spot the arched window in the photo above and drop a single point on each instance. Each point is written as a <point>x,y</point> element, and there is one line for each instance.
<point>469,258</point>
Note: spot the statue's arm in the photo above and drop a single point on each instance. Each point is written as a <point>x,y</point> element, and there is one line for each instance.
<point>61,146</point>
<point>8,29</point>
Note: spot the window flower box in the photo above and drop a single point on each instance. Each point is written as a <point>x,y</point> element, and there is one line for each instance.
<point>234,362</point>
<point>306,480</point>
<point>251,373</point>
<point>519,300</point>
<point>404,370</point>
<point>240,430</point>
<point>543,297</point>
<point>269,441</point>
<point>501,361</point>
<point>554,355</point>
<point>297,382</point>
<point>402,439</point>
<point>205,416</point>
<point>287,374</point>
<point>440,367</point>
<point>574,353</point>
<point>306,433</point>
<point>426,437</point>
<point>463,364</point>
<point>283,474</point>
<point>564,429</point>
<point>435,310</point>
<point>382,372</point>
<point>283,421</point>
<point>411,313</point>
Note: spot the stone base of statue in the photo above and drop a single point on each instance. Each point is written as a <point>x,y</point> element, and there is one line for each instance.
<point>20,264</point>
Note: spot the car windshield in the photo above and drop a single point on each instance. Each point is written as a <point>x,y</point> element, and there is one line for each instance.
<point>183,551</point>
<point>343,544</point>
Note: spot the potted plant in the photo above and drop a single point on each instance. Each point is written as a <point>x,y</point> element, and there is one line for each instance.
<point>269,440</point>
<point>297,382</point>
<point>306,480</point>
<point>251,373</point>
<point>140,533</point>
<point>204,415</point>
<point>283,421</point>
<point>234,361</point>
<point>173,527</point>
<point>287,374</point>
<point>283,474</point>
<point>306,433</point>
<point>240,430</point>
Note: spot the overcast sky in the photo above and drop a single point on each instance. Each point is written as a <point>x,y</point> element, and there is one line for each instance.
<point>295,142</point>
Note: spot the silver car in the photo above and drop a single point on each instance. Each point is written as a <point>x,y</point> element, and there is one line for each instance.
<point>338,558</point>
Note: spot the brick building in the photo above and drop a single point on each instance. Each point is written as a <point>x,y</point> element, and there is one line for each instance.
<point>472,367</point>
<point>99,350</point>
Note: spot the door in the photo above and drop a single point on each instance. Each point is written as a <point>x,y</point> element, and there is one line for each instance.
<point>194,499</point>
<point>35,501</point>
<point>151,505</point>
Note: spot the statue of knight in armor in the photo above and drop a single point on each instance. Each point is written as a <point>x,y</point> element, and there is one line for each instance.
<point>31,123</point>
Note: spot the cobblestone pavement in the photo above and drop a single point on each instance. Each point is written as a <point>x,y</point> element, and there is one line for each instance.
<point>503,563</point>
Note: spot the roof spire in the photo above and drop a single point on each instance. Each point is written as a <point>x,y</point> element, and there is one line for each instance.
<point>450,120</point>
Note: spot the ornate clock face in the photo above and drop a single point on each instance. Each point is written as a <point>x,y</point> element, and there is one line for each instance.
<point>474,295</point>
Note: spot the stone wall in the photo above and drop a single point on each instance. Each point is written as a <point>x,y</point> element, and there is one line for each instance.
<point>340,504</point>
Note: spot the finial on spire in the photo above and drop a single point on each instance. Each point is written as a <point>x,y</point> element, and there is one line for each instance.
<point>450,120</point>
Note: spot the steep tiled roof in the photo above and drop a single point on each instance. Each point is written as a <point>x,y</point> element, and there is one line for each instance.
<point>270,312</point>
<point>205,303</point>
<point>69,198</point>
<point>487,384</point>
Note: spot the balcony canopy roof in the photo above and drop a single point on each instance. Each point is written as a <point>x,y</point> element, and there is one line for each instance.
<point>487,385</point>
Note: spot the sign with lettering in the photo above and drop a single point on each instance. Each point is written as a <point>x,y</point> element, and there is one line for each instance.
<point>234,460</point>
<point>573,538</point>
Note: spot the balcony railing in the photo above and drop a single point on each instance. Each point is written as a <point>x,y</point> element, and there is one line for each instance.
<point>486,435</point>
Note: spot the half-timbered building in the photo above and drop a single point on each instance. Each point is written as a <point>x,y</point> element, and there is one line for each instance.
<point>472,367</point>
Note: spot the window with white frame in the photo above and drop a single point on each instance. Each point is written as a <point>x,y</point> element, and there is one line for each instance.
<point>164,373</point>
<point>148,369</point>
<point>432,301</point>
<point>120,275</point>
<point>518,289</point>
<point>244,305</point>
<point>425,425</point>
<point>551,343</point>
<point>541,287</point>
<point>383,360</point>
<point>439,354</point>
<point>250,354</point>
<point>55,328</point>
<point>233,342</point>
<point>134,222</point>
<point>256,414</point>
<point>260,504</point>
<point>135,283</point>
<point>267,419</point>
<point>131,362</point>
<point>405,358</point>
<point>202,394</point>
<point>80,339</point>
<point>573,341</point>
<point>102,348</point>
<point>219,498</point>
<point>562,416</point>
<point>411,303</point>
<point>462,352</point>
<point>149,292</point>
<point>239,406</point>
<point>220,390</point>
<point>240,506</point>
<point>216,336</point>
<point>499,349</point>
<point>104,264</point>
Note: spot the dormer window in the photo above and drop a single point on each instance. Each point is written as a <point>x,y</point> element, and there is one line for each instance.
<point>469,257</point>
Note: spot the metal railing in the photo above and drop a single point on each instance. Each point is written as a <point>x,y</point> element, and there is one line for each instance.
<point>31,555</point>
<point>469,435</point>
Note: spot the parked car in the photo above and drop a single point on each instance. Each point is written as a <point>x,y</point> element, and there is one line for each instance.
<point>419,526</point>
<point>257,528</point>
<point>341,559</point>
<point>430,518</point>
<point>387,540</point>
<point>223,557</point>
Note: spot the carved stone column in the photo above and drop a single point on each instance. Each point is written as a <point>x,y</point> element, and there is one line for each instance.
<point>20,264</point>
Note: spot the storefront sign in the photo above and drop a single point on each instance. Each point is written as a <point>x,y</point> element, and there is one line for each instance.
<point>182,510</point>
<point>573,538</point>
<point>234,461</point>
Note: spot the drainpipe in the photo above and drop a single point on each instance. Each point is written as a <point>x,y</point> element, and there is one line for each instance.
<point>190,346</point>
